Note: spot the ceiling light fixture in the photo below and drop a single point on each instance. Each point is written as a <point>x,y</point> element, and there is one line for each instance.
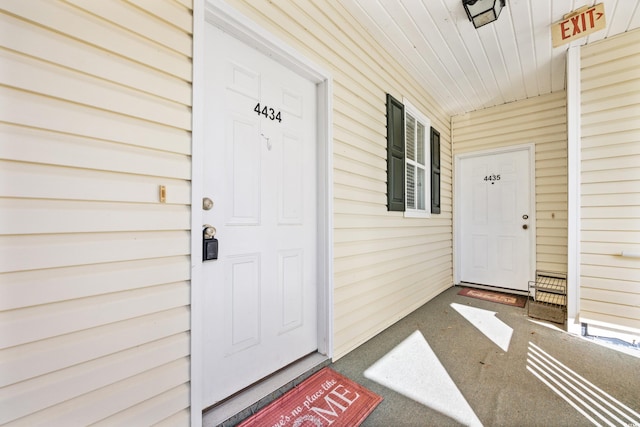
<point>481,12</point>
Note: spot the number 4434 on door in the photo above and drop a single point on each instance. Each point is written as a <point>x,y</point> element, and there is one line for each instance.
<point>268,112</point>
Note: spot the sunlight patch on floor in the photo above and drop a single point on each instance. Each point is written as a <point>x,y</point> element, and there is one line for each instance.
<point>599,407</point>
<point>413,370</point>
<point>487,323</point>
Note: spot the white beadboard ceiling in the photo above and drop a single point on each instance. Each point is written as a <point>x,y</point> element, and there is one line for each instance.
<point>468,69</point>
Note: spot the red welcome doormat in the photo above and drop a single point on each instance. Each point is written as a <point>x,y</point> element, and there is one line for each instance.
<point>499,297</point>
<point>326,398</point>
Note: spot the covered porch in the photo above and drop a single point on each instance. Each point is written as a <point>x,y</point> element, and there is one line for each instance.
<point>463,361</point>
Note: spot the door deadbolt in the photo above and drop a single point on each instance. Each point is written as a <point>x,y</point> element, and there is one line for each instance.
<point>525,216</point>
<point>207,203</point>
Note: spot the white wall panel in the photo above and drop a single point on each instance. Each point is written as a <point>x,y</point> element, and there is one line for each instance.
<point>94,270</point>
<point>610,162</point>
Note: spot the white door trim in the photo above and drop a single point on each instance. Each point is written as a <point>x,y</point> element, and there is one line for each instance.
<point>457,238</point>
<point>573,198</point>
<point>220,14</point>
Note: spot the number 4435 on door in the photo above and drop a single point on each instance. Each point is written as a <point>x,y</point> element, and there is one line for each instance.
<point>268,112</point>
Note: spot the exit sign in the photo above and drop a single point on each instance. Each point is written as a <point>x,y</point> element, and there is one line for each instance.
<point>579,23</point>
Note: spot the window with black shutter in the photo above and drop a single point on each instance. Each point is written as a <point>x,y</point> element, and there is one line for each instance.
<point>395,154</point>
<point>408,159</point>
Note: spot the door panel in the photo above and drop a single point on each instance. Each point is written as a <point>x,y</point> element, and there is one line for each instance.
<point>260,170</point>
<point>494,202</point>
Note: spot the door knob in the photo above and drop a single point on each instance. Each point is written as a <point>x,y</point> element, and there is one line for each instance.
<point>525,226</point>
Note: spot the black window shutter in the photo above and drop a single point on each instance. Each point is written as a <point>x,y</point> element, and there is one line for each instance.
<point>435,171</point>
<point>395,154</point>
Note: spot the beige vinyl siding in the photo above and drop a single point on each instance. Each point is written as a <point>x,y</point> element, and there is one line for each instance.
<point>610,181</point>
<point>385,265</point>
<point>541,121</point>
<point>94,271</point>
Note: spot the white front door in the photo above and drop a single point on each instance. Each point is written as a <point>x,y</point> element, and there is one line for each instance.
<point>496,217</point>
<point>260,172</point>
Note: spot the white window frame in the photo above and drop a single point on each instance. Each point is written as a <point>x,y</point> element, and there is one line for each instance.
<point>410,109</point>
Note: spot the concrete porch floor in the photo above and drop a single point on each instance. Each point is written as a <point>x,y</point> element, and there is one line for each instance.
<point>436,367</point>
<point>496,381</point>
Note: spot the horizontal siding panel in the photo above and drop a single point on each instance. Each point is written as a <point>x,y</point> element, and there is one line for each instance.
<point>36,111</point>
<point>612,126</point>
<point>140,23</point>
<point>386,259</point>
<point>402,304</point>
<point>427,242</point>
<point>362,150</point>
<point>358,168</point>
<point>72,54</point>
<point>623,236</point>
<point>605,164</point>
<point>621,114</point>
<point>600,212</point>
<point>38,146</point>
<point>612,259</point>
<point>34,359</point>
<point>368,234</point>
<point>375,184</point>
<point>54,81</point>
<point>94,316</point>
<point>615,47</point>
<point>557,240</point>
<point>28,397</point>
<point>544,133</point>
<point>626,324</point>
<point>549,117</point>
<point>183,417</point>
<point>352,299</point>
<point>375,278</point>
<point>357,194</point>
<point>511,110</point>
<point>618,63</point>
<point>349,132</point>
<point>170,12</point>
<point>41,322</point>
<point>611,247</point>
<point>51,182</point>
<point>618,314</point>
<point>609,284</point>
<point>604,77</point>
<point>552,209</point>
<point>611,175</point>
<point>66,19</point>
<point>63,250</point>
<point>603,151</point>
<point>102,403</point>
<point>168,407</point>
<point>610,273</point>
<point>611,224</point>
<point>30,216</point>
<point>343,220</point>
<point>611,200</point>
<point>611,97</point>
<point>44,286</point>
<point>560,267</point>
